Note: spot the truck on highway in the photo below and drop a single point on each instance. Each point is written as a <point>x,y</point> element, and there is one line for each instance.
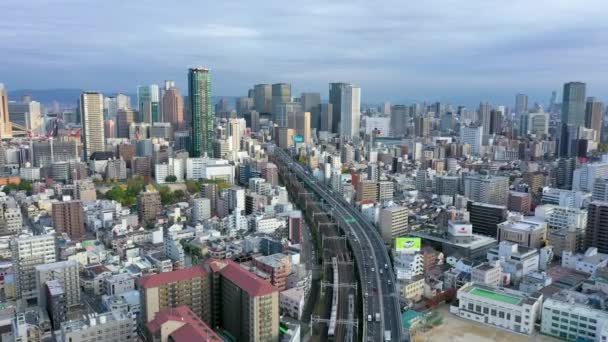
<point>369,318</point>
<point>377,317</point>
<point>387,335</point>
<point>386,266</point>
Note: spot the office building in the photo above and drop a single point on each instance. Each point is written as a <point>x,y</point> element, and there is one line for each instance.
<point>103,327</point>
<point>84,191</point>
<point>27,115</point>
<point>472,136</point>
<point>484,117</point>
<point>179,324</point>
<point>66,273</point>
<point>311,103</point>
<point>335,99</point>
<point>393,222</point>
<point>303,125</point>
<point>29,252</point>
<point>367,191</point>
<point>500,307</point>
<point>350,111</point>
<point>534,123</point>
<point>6,128</point>
<point>199,95</point>
<point>597,226</point>
<point>189,286</point>
<point>281,93</point>
<point>124,118</point>
<point>148,98</point>
<point>91,112</point>
<point>68,217</point>
<point>262,98</point>
<point>525,232</point>
<point>399,116</point>
<point>520,202</point>
<point>569,316</point>
<point>584,177</point>
<point>148,206</point>
<point>486,188</point>
<point>173,107</point>
<point>573,103</point>
<point>594,112</point>
<point>521,103</point>
<point>326,112</point>
<point>422,126</point>
<point>47,152</point>
<point>486,217</point>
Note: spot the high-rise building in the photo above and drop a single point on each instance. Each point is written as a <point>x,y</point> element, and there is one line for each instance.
<point>534,123</point>
<point>521,103</point>
<point>262,98</point>
<point>6,128</point>
<point>473,136</point>
<point>573,104</point>
<point>148,98</point>
<point>496,119</point>
<point>484,117</point>
<point>27,114</point>
<point>244,105</point>
<point>326,110</point>
<point>422,126</point>
<point>148,206</point>
<point>91,112</point>
<point>246,301</point>
<point>68,217</point>
<point>594,111</point>
<point>281,93</point>
<point>235,136</point>
<point>310,103</point>
<point>350,111</point>
<point>398,120</point>
<point>270,173</point>
<point>173,107</point>
<point>487,189</point>
<point>199,95</point>
<point>29,252</point>
<point>303,125</point>
<point>124,119</point>
<point>335,99</point>
<point>597,226</point>
<point>393,222</point>
<point>189,286</point>
<point>179,324</point>
<point>486,217</point>
<point>66,272</point>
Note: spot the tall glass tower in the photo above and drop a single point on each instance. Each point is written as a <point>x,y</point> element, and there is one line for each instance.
<point>199,91</point>
<point>148,99</point>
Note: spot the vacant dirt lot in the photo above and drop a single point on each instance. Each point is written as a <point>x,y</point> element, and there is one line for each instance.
<point>456,329</point>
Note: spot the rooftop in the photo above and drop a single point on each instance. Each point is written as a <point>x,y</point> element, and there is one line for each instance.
<point>495,296</point>
<point>246,280</point>
<point>156,280</point>
<point>193,329</point>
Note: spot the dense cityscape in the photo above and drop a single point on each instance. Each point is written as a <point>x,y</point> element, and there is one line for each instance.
<point>279,217</point>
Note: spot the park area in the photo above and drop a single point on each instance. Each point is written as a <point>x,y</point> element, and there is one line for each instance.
<point>456,329</point>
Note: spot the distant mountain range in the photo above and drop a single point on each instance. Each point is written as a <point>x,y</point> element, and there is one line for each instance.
<point>69,97</point>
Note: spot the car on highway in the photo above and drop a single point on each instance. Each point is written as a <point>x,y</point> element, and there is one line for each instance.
<point>373,269</point>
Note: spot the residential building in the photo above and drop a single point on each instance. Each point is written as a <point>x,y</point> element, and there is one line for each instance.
<point>393,222</point>
<point>487,273</point>
<point>66,273</point>
<point>179,324</point>
<point>596,234</point>
<point>588,262</point>
<point>277,266</point>
<point>583,178</point>
<point>485,188</point>
<point>189,286</point>
<point>520,202</point>
<point>515,259</point>
<point>29,252</point>
<point>148,206</point>
<point>91,112</point>
<point>104,327</point>
<point>292,302</point>
<point>199,95</point>
<point>68,217</point>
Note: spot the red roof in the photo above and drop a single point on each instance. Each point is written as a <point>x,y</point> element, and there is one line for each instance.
<point>247,281</point>
<point>217,265</point>
<point>159,279</point>
<point>194,329</point>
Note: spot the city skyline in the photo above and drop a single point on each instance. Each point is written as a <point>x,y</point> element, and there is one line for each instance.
<point>474,52</point>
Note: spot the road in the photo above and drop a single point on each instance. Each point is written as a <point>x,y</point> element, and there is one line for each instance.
<point>376,276</point>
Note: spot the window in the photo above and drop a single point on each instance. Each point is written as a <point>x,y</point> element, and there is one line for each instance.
<point>508,315</point>
<point>501,314</point>
<point>555,325</point>
<point>593,321</point>
<point>493,312</point>
<point>486,310</point>
<point>477,308</point>
<point>517,319</point>
<point>470,307</point>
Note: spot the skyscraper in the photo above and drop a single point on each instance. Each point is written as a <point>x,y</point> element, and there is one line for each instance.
<point>398,120</point>
<point>310,103</point>
<point>484,117</point>
<point>148,100</point>
<point>262,98</point>
<point>597,226</point>
<point>521,103</point>
<point>6,130</point>
<point>326,110</point>
<point>173,107</point>
<point>199,95</point>
<point>350,110</point>
<point>303,125</point>
<point>594,110</point>
<point>335,99</point>
<point>573,105</point>
<point>281,93</point>
<point>124,118</point>
<point>91,112</point>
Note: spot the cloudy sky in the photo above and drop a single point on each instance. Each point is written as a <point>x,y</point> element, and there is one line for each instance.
<point>450,50</point>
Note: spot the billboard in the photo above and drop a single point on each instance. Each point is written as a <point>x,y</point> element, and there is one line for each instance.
<point>460,228</point>
<point>408,244</point>
<point>298,139</point>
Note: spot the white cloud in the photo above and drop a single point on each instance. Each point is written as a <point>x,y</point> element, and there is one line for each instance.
<point>212,31</point>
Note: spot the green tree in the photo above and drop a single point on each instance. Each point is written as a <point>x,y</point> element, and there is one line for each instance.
<point>9,187</point>
<point>193,186</point>
<point>166,196</point>
<point>117,193</point>
<point>26,185</point>
<point>170,179</point>
<point>135,185</point>
<point>179,195</point>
